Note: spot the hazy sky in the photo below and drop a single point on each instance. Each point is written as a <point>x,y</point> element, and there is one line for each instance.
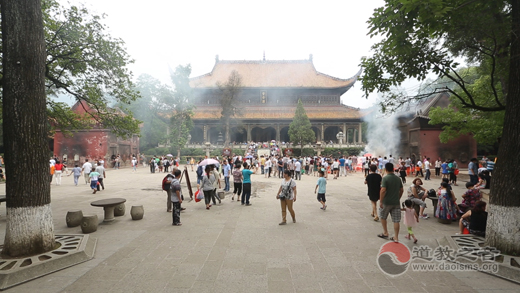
<point>160,33</point>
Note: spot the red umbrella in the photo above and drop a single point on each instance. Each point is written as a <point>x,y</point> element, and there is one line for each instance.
<point>367,155</point>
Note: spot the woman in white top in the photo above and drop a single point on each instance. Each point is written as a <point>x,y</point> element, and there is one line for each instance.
<point>287,196</point>
<point>438,164</point>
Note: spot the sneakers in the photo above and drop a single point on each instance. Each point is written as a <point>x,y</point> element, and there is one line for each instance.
<point>248,204</point>
<point>282,223</point>
<point>294,220</point>
<point>324,207</point>
<point>425,216</point>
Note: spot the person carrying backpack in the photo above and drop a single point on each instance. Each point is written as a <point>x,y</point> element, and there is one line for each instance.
<point>200,173</point>
<point>166,186</point>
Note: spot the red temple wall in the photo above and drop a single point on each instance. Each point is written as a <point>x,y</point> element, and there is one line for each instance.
<point>462,149</point>
<point>92,144</point>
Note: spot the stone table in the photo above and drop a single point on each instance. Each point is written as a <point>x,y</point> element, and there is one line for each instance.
<point>108,205</point>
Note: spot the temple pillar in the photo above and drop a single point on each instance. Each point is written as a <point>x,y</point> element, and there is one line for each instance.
<point>345,131</point>
<point>205,129</point>
<point>277,133</point>
<point>248,133</point>
<point>360,140</point>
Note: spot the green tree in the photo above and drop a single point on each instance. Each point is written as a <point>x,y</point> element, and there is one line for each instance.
<point>419,37</point>
<point>229,91</point>
<point>87,64</point>
<point>149,109</point>
<point>29,229</point>
<point>180,107</point>
<point>300,131</point>
<point>486,126</point>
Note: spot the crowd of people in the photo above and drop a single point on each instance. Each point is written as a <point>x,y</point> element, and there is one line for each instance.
<point>385,178</point>
<point>388,185</point>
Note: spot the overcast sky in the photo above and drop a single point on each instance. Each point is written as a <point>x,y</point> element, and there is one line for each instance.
<point>161,33</point>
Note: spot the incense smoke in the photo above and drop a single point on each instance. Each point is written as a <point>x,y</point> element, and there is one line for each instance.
<point>383,134</point>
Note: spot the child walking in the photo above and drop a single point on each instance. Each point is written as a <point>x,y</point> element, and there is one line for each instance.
<point>410,219</point>
<point>321,186</point>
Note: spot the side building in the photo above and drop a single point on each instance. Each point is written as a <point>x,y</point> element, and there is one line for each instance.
<point>95,143</point>
<point>267,101</point>
<point>419,138</point>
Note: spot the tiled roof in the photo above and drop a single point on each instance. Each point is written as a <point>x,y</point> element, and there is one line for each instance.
<point>270,73</point>
<point>261,113</point>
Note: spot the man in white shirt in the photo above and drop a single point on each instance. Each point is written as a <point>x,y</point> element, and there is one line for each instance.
<point>427,169</point>
<point>267,168</point>
<point>419,168</point>
<point>297,170</point>
<point>87,167</point>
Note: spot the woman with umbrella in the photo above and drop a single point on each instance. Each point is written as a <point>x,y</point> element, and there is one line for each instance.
<point>208,179</point>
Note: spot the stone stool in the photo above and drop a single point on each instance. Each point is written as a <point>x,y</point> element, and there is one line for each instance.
<point>89,223</point>
<point>119,210</point>
<point>137,212</point>
<point>74,218</point>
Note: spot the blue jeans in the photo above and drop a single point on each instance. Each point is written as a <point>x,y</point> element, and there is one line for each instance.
<point>226,180</point>
<point>246,192</point>
<point>93,184</point>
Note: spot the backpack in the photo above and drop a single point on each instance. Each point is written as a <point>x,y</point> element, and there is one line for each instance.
<point>199,171</point>
<point>166,182</point>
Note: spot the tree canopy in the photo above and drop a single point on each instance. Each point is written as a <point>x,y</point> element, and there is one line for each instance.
<point>486,126</point>
<point>149,109</point>
<point>85,63</point>
<point>430,36</point>
<point>300,129</point>
<point>180,107</point>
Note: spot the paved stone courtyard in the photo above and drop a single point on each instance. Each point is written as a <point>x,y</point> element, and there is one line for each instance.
<point>234,248</point>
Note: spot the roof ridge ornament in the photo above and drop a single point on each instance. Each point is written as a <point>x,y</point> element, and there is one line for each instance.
<point>310,57</point>
<point>264,55</point>
<point>216,58</point>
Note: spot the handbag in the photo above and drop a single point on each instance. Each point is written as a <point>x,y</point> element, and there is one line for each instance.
<point>199,196</point>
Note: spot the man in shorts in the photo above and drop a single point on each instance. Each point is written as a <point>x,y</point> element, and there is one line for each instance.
<point>390,196</point>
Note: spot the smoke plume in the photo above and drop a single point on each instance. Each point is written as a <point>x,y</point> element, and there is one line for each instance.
<point>382,134</point>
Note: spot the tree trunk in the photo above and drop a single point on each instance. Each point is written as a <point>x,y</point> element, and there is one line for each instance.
<point>226,139</point>
<point>503,225</point>
<point>29,228</point>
